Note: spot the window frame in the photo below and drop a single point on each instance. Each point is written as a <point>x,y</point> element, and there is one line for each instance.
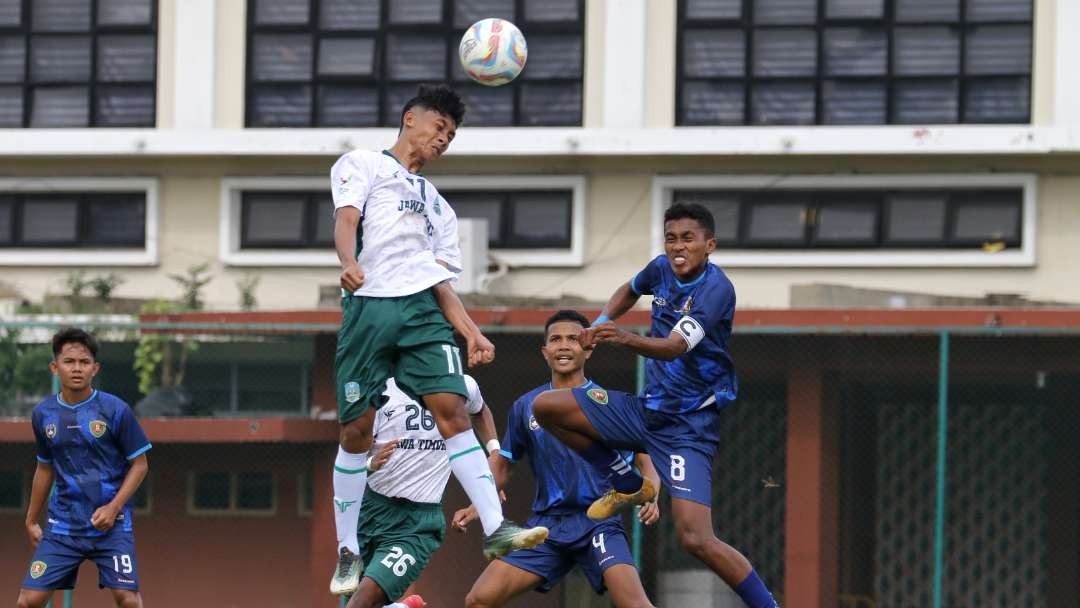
<point>46,255</point>
<point>234,496</point>
<point>1024,256</point>
<point>888,24</point>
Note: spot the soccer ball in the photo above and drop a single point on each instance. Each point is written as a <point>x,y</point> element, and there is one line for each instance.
<point>493,51</point>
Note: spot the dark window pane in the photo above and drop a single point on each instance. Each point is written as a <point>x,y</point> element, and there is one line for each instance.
<point>11,490</point>
<point>61,15</point>
<point>480,205</point>
<point>396,96</point>
<point>783,103</point>
<point>324,222</point>
<point>724,207</point>
<point>307,492</point>
<point>60,107</point>
<point>12,59</point>
<point>552,10</point>
<point>255,491</point>
<point>785,11</point>
<point>50,221</point>
<point>125,106</point>
<point>412,57</point>
<point>269,387</point>
<point>551,104</point>
<point>711,53</point>
<point>10,12</point>
<point>927,10</point>
<point>999,10</point>
<point>712,103</point>
<point>926,50</point>
<point>281,106</point>
<point>468,12</point>
<point>282,57</point>
<point>925,101</point>
<point>116,220</point>
<point>713,9</point>
<point>7,220</point>
<point>852,224</point>
<point>785,52</point>
<point>979,221</point>
<point>915,218</point>
<point>997,49</point>
<point>416,11</point>
<point>210,385</point>
<point>864,9</point>
<point>350,14</point>
<point>273,219</point>
<point>855,52</point>
<point>278,12</point>
<point>998,100</point>
<point>487,106</point>
<point>347,57</point>
<point>124,12</point>
<point>348,106</point>
<point>125,58</point>
<point>60,58</point>
<point>211,491</point>
<point>854,102</point>
<point>554,56</point>
<point>11,106</point>
<point>540,219</point>
<point>776,223</point>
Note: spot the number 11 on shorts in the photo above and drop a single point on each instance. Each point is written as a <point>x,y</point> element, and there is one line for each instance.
<point>453,354</point>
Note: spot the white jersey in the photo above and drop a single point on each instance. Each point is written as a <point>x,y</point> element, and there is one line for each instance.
<point>405,224</point>
<point>420,467</point>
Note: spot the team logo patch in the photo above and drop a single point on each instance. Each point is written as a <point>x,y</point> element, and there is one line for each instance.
<point>50,430</point>
<point>438,207</point>
<point>352,392</point>
<point>598,395</point>
<point>686,306</point>
<point>533,424</point>
<point>97,427</point>
<point>37,569</point>
<point>659,301</point>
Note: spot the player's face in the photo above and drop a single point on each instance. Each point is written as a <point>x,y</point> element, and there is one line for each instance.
<point>429,132</point>
<point>75,366</point>
<point>686,247</point>
<point>561,348</point>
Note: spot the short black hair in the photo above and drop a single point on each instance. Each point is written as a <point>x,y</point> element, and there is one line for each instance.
<point>565,315</point>
<point>437,97</point>
<point>74,335</point>
<point>695,211</point>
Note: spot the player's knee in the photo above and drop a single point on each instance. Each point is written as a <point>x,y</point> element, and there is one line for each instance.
<point>696,542</point>
<point>24,602</point>
<point>127,599</point>
<point>546,409</point>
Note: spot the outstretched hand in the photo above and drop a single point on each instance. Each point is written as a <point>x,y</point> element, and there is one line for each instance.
<point>607,331</point>
<point>480,350</point>
<point>382,454</point>
<point>463,517</point>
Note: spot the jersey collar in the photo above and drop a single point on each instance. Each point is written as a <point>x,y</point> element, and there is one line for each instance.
<point>388,153</point>
<point>587,384</point>
<point>84,401</point>
<point>696,280</point>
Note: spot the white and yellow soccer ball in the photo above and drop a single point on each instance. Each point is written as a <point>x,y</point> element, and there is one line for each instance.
<point>493,51</point>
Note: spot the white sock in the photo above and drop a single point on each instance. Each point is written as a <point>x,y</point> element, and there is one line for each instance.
<point>395,605</point>
<point>350,479</point>
<point>474,474</point>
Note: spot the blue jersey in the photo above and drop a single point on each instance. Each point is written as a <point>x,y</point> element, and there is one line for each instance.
<point>702,311</point>
<point>565,483</point>
<point>89,445</point>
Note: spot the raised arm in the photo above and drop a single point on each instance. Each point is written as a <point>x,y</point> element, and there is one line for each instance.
<point>39,492</point>
<point>480,350</point>
<point>484,423</point>
<point>621,301</point>
<point>346,220</point>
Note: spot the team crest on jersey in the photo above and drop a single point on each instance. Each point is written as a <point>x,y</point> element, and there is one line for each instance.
<point>437,206</point>
<point>352,392</point>
<point>598,395</point>
<point>659,301</point>
<point>97,427</point>
<point>686,306</point>
<point>533,424</point>
<point>37,569</point>
<point>389,413</point>
<point>50,430</point>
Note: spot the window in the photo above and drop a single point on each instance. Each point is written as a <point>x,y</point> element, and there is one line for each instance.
<point>230,492</point>
<point>12,491</point>
<point>94,220</point>
<point>844,62</point>
<point>287,220</point>
<point>78,63</point>
<point>519,219</point>
<point>338,63</point>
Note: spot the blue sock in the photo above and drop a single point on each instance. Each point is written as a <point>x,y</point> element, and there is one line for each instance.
<point>611,465</point>
<point>753,591</point>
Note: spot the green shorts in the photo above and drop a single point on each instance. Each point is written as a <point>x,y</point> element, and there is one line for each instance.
<point>407,337</point>
<point>397,539</point>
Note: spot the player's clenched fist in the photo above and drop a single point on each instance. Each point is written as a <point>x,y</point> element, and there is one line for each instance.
<point>481,351</point>
<point>604,332</point>
<point>352,278</point>
<point>33,530</point>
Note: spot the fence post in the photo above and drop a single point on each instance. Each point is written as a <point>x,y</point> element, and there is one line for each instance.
<point>942,445</point>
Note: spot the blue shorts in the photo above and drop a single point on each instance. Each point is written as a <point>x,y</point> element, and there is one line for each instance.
<point>58,556</point>
<point>597,546</point>
<point>681,446</point>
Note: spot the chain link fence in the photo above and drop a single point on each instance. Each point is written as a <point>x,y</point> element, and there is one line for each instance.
<point>835,448</point>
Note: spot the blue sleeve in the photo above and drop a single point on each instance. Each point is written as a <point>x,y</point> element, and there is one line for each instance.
<point>646,281</point>
<point>514,440</point>
<point>716,309</point>
<point>41,446</point>
<point>129,434</point>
